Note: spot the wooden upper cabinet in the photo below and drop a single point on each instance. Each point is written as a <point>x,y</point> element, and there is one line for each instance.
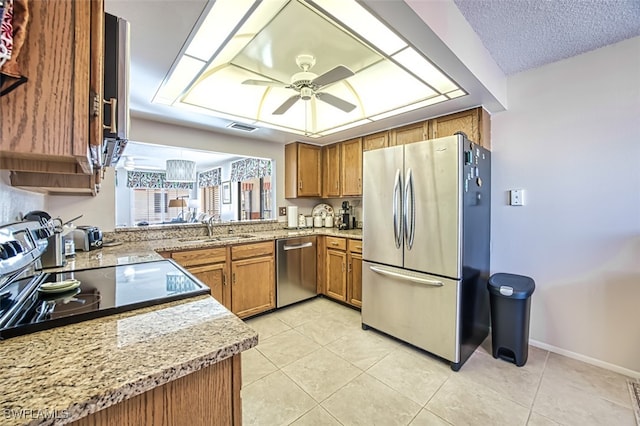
<point>302,173</point>
<point>351,151</point>
<point>375,141</point>
<point>475,123</point>
<point>48,123</point>
<point>331,175</point>
<point>408,134</point>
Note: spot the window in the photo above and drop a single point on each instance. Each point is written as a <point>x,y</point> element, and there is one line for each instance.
<point>152,205</point>
<point>210,200</point>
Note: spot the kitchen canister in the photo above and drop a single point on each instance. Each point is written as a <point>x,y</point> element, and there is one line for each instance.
<point>309,221</point>
<point>318,222</point>
<point>328,221</point>
<point>292,216</point>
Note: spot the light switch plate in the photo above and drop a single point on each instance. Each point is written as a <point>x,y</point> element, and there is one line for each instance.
<point>516,197</point>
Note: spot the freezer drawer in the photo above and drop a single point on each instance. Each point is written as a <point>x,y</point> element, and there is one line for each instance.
<point>417,308</point>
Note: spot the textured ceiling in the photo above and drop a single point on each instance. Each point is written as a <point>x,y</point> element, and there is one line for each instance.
<point>524,34</point>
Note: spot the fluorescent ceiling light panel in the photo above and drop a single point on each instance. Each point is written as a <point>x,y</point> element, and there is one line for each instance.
<point>417,64</point>
<point>346,127</point>
<point>362,22</point>
<point>408,108</point>
<point>184,72</point>
<point>456,94</point>
<point>219,23</point>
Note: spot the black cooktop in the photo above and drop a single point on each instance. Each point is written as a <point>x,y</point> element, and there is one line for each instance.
<point>102,291</point>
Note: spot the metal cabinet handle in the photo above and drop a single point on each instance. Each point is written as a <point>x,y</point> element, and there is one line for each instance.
<point>300,185</point>
<point>342,266</point>
<point>113,126</point>
<point>349,267</point>
<point>233,278</point>
<point>333,243</point>
<point>298,246</point>
<point>224,279</point>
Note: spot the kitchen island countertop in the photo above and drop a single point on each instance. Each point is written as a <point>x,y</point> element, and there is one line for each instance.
<point>72,371</point>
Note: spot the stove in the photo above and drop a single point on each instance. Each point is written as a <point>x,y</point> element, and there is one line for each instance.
<point>26,308</point>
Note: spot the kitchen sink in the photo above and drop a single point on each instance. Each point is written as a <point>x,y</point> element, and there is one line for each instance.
<point>231,237</point>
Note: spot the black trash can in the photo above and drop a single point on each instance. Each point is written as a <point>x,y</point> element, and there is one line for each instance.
<point>510,299</point>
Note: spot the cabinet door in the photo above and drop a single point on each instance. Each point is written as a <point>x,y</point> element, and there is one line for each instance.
<point>465,121</point>
<point>408,134</point>
<point>309,178</point>
<point>375,141</point>
<point>336,273</point>
<point>49,120</point>
<point>331,171</point>
<point>354,287</point>
<point>215,277</point>
<point>352,167</point>
<point>253,286</point>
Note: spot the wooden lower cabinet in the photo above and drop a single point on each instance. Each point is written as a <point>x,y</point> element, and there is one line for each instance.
<point>336,272</point>
<point>253,285</point>
<point>354,273</point>
<point>241,277</point>
<point>210,396</point>
<point>343,270</point>
<point>215,276</point>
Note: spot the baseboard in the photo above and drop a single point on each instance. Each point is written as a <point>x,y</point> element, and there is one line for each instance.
<point>584,358</point>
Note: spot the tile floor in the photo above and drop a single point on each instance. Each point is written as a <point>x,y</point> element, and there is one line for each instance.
<point>314,365</point>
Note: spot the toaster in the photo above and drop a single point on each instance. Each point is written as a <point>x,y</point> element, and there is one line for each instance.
<point>87,238</point>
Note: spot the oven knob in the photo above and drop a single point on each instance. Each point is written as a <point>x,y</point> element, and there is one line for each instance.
<point>9,250</point>
<point>16,246</point>
<point>4,254</point>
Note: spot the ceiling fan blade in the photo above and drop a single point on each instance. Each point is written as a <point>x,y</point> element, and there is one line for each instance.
<point>338,73</point>
<point>265,83</point>
<point>286,105</point>
<point>335,101</point>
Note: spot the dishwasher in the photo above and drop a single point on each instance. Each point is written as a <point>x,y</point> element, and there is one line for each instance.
<point>295,270</point>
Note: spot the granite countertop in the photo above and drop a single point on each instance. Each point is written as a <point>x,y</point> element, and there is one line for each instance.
<point>147,250</point>
<point>78,369</point>
<point>81,368</point>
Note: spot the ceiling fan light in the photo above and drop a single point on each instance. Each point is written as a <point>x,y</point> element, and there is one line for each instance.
<point>180,171</point>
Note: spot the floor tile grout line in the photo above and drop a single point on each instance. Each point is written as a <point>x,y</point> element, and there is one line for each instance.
<point>535,396</point>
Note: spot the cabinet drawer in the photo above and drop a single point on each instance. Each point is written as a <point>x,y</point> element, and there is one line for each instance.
<point>355,246</point>
<point>251,250</point>
<point>336,243</point>
<point>200,257</point>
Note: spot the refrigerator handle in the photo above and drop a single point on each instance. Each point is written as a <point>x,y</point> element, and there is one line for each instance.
<point>412,219</point>
<point>407,277</point>
<point>397,228</point>
<point>409,210</point>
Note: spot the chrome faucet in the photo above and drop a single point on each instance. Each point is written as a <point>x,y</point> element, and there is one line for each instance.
<point>209,222</point>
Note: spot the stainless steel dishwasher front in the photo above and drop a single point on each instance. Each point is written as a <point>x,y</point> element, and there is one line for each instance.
<point>296,270</point>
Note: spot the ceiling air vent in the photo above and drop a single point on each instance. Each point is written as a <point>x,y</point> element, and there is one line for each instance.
<point>243,127</point>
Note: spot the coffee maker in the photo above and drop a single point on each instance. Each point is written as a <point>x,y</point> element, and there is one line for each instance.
<point>345,215</point>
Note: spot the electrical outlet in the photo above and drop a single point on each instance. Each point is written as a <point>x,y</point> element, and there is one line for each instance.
<point>516,197</point>
<point>282,211</point>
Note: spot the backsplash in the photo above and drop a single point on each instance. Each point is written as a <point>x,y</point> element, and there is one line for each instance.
<point>16,202</point>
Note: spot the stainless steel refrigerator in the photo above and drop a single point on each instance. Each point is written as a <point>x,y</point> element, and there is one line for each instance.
<point>426,243</point>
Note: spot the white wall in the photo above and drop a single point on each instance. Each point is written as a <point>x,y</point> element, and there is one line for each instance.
<point>15,202</point>
<point>571,139</point>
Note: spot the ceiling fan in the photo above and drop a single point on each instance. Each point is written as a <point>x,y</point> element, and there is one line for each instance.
<point>307,85</point>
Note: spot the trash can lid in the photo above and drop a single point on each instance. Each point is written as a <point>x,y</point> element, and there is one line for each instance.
<point>511,285</point>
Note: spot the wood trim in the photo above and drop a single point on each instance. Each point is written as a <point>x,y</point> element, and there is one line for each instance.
<point>55,183</point>
<point>291,170</point>
<point>236,385</point>
<point>96,60</point>
<point>484,126</point>
<point>321,255</point>
<point>80,82</point>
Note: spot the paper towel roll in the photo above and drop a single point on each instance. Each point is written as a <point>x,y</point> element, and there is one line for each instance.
<point>292,216</point>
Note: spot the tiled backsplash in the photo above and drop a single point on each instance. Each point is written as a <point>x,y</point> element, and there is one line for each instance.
<point>16,202</point>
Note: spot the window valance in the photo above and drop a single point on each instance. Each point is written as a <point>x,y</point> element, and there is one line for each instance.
<point>154,180</point>
<point>211,177</point>
<point>250,168</point>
